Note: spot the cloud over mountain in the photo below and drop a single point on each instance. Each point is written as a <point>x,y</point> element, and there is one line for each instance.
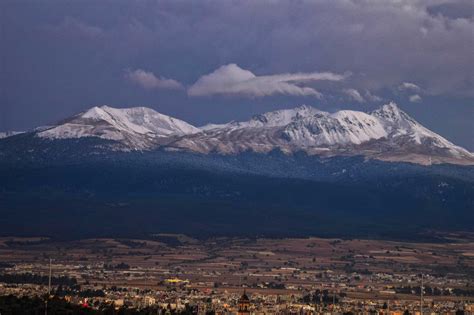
<point>78,54</point>
<point>354,95</point>
<point>232,80</point>
<point>148,80</point>
<point>415,98</point>
<point>408,86</point>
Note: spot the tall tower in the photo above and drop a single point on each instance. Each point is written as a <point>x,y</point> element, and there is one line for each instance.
<point>244,305</point>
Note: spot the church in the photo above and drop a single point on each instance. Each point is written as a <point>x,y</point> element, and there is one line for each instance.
<point>244,305</point>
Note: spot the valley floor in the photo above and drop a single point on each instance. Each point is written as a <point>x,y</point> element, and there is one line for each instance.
<point>311,269</point>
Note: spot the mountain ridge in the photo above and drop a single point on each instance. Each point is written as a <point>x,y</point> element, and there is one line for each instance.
<point>387,134</point>
<point>136,127</point>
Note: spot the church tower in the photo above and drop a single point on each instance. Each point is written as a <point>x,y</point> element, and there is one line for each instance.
<point>244,305</point>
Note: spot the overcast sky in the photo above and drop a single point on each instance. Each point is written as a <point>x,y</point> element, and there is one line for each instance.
<point>215,61</point>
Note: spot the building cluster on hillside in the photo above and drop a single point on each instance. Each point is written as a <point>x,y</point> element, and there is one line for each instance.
<point>182,299</point>
<point>316,277</point>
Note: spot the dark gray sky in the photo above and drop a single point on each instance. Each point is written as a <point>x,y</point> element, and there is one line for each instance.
<point>215,61</point>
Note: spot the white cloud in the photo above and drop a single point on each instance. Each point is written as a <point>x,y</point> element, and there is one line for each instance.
<point>232,80</point>
<point>407,86</point>
<point>354,95</point>
<point>148,80</point>
<point>415,98</point>
<point>372,97</point>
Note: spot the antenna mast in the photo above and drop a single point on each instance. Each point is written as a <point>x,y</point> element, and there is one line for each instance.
<point>49,290</point>
<point>49,279</point>
<point>421,295</point>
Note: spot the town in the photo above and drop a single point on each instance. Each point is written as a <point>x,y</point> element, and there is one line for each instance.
<point>179,274</point>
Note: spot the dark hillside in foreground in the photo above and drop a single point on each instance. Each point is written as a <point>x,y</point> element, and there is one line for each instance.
<point>59,193</point>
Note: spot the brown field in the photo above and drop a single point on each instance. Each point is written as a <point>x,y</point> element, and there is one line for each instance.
<point>228,263</point>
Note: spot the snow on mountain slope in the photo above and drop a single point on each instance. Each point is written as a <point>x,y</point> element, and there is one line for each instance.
<point>288,129</point>
<point>136,127</point>
<point>276,118</point>
<point>6,134</point>
<point>340,128</point>
<point>387,133</point>
<point>283,117</point>
<point>401,127</point>
<point>208,127</point>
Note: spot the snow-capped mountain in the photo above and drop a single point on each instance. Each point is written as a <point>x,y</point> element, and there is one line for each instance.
<point>137,128</point>
<point>399,125</point>
<point>387,133</point>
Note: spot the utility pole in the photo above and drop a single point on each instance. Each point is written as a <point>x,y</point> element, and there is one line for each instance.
<point>49,279</point>
<point>49,290</point>
<point>421,295</point>
<point>333,298</point>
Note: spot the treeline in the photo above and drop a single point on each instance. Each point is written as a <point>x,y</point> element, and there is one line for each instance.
<point>76,290</point>
<point>130,243</point>
<point>28,278</point>
<point>4,265</point>
<point>121,266</point>
<point>322,296</point>
<point>12,305</point>
<point>435,291</point>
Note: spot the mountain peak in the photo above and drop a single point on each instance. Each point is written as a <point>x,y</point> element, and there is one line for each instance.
<point>307,110</point>
<point>391,106</point>
<point>137,127</point>
<point>304,107</point>
<point>391,114</point>
<point>386,133</point>
<point>283,117</point>
<point>96,112</point>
